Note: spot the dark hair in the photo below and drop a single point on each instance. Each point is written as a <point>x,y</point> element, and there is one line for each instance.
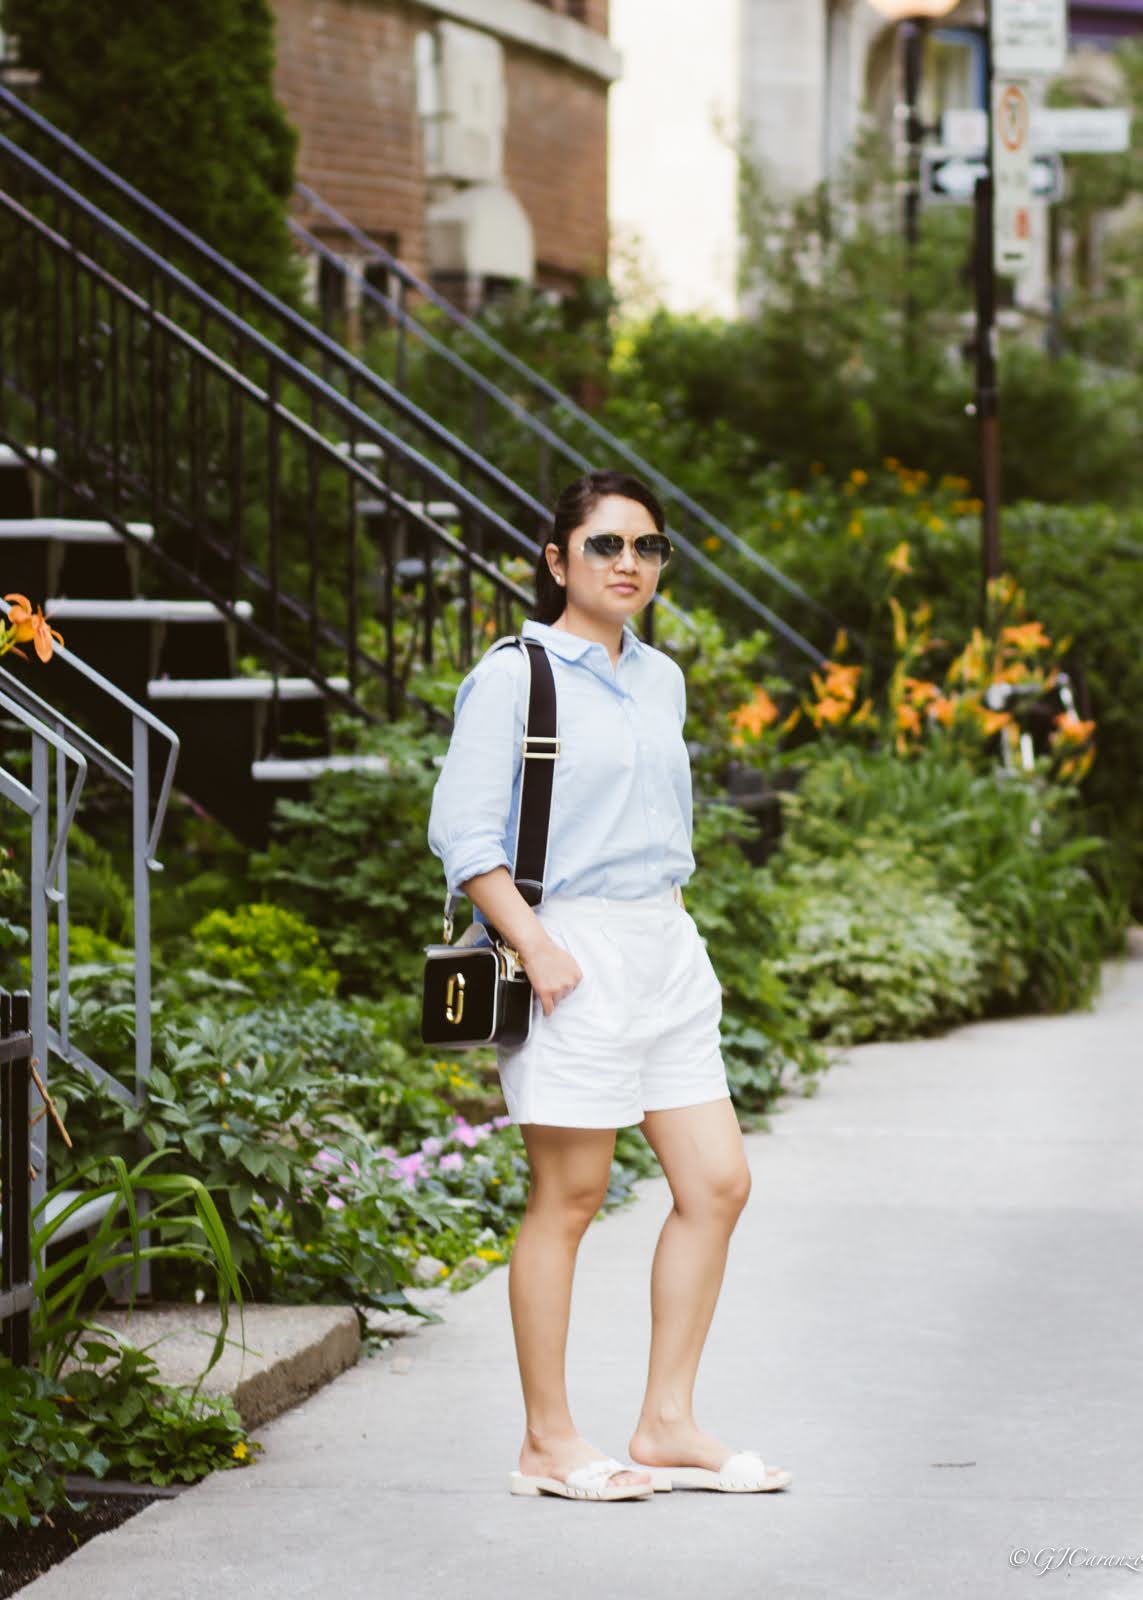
<point>577,500</point>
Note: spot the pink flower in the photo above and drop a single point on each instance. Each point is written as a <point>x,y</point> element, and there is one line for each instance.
<point>335,1204</point>
<point>467,1135</point>
<point>408,1168</point>
<point>452,1162</point>
<point>501,1122</point>
<point>432,1145</point>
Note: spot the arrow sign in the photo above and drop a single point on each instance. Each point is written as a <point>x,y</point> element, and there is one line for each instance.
<point>949,178</point>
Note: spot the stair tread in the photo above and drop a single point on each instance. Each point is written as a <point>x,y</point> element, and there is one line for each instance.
<point>245,688</point>
<point>73,529</point>
<point>285,770</point>
<point>172,610</point>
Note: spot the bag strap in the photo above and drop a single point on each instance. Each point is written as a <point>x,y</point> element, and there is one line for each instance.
<point>541,751</point>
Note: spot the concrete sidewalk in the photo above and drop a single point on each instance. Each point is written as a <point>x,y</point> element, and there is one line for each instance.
<point>931,1315</point>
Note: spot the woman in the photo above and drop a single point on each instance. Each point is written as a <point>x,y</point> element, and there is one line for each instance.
<point>625,1026</point>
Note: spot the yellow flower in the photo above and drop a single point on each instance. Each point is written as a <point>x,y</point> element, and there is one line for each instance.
<point>490,1255</point>
<point>898,559</point>
<point>855,527</point>
<point>712,542</point>
<point>240,1451</point>
<point>936,525</point>
<point>858,477</point>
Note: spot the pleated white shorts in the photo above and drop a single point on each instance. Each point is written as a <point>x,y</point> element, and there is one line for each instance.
<point>639,1032</point>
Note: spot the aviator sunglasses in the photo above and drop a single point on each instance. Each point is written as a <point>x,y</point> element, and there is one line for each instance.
<point>600,549</point>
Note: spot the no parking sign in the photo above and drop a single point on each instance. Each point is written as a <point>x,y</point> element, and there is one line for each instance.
<point>1012,174</point>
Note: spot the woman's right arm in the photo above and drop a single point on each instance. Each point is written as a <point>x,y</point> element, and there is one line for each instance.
<point>468,818</point>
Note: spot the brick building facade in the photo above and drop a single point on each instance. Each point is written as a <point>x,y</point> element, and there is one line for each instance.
<point>353,76</point>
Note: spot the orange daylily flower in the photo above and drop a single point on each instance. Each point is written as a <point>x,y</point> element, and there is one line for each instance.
<point>756,713</point>
<point>920,690</point>
<point>909,718</point>
<point>829,709</point>
<point>1072,727</point>
<point>33,625</point>
<point>1026,636</point>
<point>943,709</point>
<point>993,721</point>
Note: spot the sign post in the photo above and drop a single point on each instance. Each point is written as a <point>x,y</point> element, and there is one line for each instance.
<point>1022,38</point>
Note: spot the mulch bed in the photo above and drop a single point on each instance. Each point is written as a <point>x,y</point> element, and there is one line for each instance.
<point>27,1553</point>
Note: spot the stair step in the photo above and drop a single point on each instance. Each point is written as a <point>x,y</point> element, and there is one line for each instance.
<point>143,610</point>
<point>304,768</point>
<point>238,688</point>
<point>85,1216</point>
<point>439,510</point>
<point>11,458</point>
<point>73,530</point>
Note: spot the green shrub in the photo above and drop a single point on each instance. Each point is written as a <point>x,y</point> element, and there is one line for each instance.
<point>873,948</point>
<point>272,951</point>
<point>40,1443</point>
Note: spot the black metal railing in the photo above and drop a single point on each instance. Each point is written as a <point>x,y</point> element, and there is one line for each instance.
<point>16,1294</point>
<point>167,405</point>
<point>519,418</point>
<point>494,512</point>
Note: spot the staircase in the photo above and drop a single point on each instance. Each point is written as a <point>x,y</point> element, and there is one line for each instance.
<point>494,510</point>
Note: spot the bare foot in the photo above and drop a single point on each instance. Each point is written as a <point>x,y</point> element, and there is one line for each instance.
<point>679,1444</point>
<point>555,1458</point>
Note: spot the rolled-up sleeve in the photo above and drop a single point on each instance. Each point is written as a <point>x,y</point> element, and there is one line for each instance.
<point>472,800</point>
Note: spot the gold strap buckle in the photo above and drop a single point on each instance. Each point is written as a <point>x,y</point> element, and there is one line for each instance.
<point>541,738</point>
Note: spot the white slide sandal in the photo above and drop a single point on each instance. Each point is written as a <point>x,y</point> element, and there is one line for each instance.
<point>586,1483</point>
<point>744,1472</point>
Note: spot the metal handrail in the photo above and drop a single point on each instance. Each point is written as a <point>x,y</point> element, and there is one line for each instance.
<point>560,400</point>
<point>359,376</point>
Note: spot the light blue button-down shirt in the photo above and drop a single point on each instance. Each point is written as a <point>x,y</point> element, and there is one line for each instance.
<point>621,812</point>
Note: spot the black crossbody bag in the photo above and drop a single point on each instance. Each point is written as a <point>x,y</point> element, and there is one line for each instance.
<point>478,993</point>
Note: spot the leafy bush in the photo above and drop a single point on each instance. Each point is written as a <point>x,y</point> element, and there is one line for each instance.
<point>40,1443</point>
<point>148,1431</point>
<point>873,949</point>
<point>269,949</point>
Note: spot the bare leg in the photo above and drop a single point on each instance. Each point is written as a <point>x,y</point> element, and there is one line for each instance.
<point>701,1153</point>
<point>569,1174</point>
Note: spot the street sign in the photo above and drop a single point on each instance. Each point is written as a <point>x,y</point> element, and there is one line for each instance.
<point>949,178</point>
<point>1068,129</point>
<point>1011,175</point>
<point>1029,36</point>
<point>1102,130</point>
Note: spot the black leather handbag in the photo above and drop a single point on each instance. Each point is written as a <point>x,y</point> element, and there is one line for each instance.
<point>477,993</point>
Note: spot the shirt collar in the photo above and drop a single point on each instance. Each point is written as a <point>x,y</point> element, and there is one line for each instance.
<point>570,646</point>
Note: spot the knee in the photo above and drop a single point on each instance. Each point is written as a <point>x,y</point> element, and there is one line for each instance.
<point>729,1190</point>
<point>570,1208</point>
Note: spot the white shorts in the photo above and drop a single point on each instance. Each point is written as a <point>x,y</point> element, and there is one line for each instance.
<point>639,1032</point>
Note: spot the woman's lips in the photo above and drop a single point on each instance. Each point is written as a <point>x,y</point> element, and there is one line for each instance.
<point>624,588</point>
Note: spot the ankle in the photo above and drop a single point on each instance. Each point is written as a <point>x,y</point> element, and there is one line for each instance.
<point>551,1435</point>
<point>666,1418</point>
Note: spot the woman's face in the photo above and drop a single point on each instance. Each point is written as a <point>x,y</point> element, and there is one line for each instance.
<point>610,590</point>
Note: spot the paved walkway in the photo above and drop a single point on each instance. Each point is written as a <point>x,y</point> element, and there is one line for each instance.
<point>932,1314</point>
